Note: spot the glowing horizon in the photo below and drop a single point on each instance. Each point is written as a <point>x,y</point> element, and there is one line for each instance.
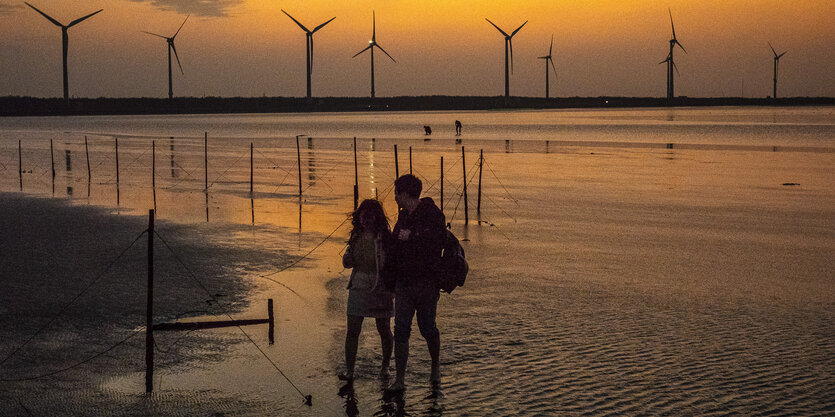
<point>250,48</point>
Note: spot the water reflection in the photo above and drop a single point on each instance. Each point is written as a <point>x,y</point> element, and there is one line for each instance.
<point>311,163</point>
<point>173,171</point>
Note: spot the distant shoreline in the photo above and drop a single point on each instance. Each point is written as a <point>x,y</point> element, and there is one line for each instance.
<point>32,106</point>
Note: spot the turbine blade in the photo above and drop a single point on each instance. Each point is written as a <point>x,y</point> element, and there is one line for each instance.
<point>682,48</point>
<point>518,29</point>
<point>154,34</point>
<point>297,22</point>
<point>178,57</point>
<point>553,66</point>
<point>497,28</point>
<point>781,55</point>
<point>181,26</point>
<point>48,17</point>
<point>542,57</point>
<point>80,19</point>
<point>551,48</point>
<point>675,67</point>
<point>373,26</point>
<point>322,25</point>
<point>772,49</point>
<point>384,51</point>
<point>366,48</point>
<point>671,23</point>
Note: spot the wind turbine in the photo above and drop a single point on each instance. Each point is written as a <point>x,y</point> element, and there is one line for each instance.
<point>776,61</point>
<point>371,44</point>
<point>548,58</point>
<point>170,48</point>
<point>65,42</point>
<point>309,36</point>
<point>508,48</point>
<point>671,65</point>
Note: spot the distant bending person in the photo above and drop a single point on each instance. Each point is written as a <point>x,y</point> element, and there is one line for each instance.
<point>427,129</point>
<point>457,128</point>
<point>418,238</point>
<point>367,295</point>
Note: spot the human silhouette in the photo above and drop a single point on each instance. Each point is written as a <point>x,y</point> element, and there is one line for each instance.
<point>418,238</point>
<point>427,129</point>
<point>368,246</point>
<point>457,128</point>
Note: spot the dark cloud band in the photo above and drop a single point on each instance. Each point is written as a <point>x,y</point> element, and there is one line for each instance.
<point>209,8</point>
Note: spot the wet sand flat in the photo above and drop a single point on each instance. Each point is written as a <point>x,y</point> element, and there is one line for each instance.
<point>604,281</point>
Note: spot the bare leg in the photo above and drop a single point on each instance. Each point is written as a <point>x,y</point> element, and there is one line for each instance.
<point>351,341</point>
<point>435,354</point>
<point>387,341</point>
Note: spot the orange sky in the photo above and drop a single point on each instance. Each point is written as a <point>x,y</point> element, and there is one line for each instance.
<point>250,48</point>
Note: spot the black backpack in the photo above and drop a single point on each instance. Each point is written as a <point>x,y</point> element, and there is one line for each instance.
<point>452,267</point>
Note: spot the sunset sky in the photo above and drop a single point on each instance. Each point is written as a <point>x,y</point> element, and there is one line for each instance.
<point>250,48</point>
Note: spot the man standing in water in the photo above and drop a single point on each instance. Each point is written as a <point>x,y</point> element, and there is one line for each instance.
<point>457,128</point>
<point>419,234</point>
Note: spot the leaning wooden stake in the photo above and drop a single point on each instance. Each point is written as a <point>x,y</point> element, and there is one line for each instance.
<point>410,159</point>
<point>480,167</point>
<point>52,158</point>
<point>206,161</point>
<point>20,163</point>
<point>356,177</point>
<point>442,184</point>
<point>87,153</point>
<point>117,170</point>
<point>251,168</point>
<point>466,205</point>
<point>396,163</point>
<point>299,157</point>
<point>149,311</point>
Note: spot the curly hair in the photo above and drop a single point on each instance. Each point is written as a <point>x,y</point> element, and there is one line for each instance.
<point>380,222</point>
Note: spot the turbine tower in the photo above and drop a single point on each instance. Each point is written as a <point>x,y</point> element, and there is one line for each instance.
<point>309,36</point>
<point>65,42</point>
<point>170,48</point>
<point>508,59</point>
<point>671,65</point>
<point>776,62</point>
<point>371,44</point>
<point>548,58</point>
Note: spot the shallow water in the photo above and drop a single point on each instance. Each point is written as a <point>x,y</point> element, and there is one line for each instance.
<point>606,279</point>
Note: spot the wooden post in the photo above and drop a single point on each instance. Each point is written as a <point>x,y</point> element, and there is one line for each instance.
<point>206,160</point>
<point>118,195</point>
<point>52,158</point>
<point>251,168</point>
<point>466,205</point>
<point>272,320</point>
<point>396,163</point>
<point>87,152</point>
<point>117,165</point>
<point>20,163</point>
<point>299,157</point>
<point>442,184</point>
<point>356,177</point>
<point>480,168</point>
<point>149,311</point>
<point>154,172</point>
<point>410,159</point>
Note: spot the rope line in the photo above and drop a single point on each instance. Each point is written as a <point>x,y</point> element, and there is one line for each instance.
<point>271,161</point>
<point>500,183</point>
<point>183,264</point>
<point>294,263</point>
<point>94,281</point>
<point>227,170</point>
<point>225,312</point>
<point>76,364</point>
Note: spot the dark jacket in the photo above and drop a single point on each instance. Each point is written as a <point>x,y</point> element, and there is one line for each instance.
<point>414,261</point>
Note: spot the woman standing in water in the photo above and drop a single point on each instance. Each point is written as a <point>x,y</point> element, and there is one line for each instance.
<point>367,296</point>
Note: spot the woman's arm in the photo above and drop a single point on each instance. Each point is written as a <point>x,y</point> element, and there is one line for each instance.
<point>348,257</point>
